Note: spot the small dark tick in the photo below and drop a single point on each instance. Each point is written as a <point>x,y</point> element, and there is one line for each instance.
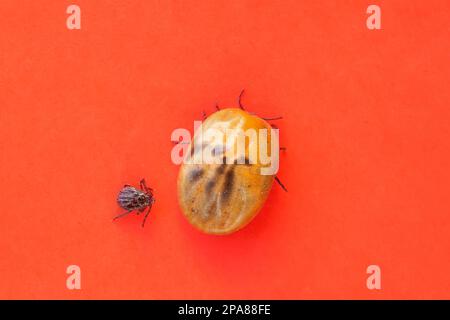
<point>132,199</point>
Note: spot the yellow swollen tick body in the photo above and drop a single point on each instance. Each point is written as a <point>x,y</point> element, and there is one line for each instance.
<point>223,196</point>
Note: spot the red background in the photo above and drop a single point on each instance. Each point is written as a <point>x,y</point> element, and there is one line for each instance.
<point>366,126</point>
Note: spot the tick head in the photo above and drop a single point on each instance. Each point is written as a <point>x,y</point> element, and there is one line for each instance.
<point>143,199</point>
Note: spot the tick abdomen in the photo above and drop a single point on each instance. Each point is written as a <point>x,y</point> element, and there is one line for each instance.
<point>222,198</point>
<point>131,198</point>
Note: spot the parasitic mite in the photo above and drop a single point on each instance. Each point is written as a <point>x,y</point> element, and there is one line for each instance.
<point>133,199</point>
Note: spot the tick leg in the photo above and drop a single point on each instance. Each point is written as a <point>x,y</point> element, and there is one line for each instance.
<point>203,114</point>
<point>126,185</point>
<point>274,118</point>
<point>146,214</point>
<point>283,148</point>
<point>145,188</point>
<point>142,184</point>
<point>217,107</point>
<point>239,100</point>
<point>122,215</point>
<point>279,182</point>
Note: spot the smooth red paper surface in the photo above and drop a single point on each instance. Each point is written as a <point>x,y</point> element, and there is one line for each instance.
<point>366,127</point>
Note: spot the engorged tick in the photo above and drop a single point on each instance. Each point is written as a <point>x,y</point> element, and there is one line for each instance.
<point>132,199</point>
<point>224,196</point>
